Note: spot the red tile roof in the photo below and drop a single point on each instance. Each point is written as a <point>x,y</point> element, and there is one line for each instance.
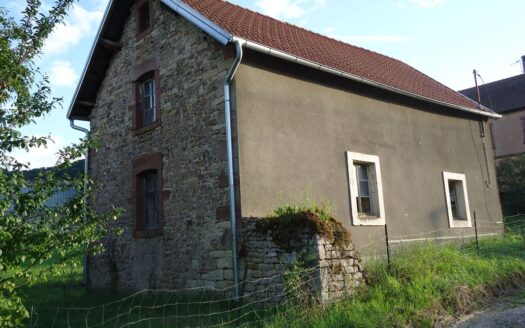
<point>323,50</point>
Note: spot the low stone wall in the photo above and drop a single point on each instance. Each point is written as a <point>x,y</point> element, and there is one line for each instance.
<point>329,271</point>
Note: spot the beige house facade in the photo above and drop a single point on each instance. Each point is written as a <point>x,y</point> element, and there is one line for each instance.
<point>506,97</point>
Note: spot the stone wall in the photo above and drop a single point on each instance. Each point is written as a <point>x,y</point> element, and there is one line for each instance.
<point>194,248</point>
<point>330,271</point>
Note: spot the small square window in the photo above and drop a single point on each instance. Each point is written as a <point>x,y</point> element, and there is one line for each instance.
<point>144,18</point>
<point>366,190</point>
<point>457,200</point>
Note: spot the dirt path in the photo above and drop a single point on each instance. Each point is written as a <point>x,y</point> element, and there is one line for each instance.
<point>506,312</point>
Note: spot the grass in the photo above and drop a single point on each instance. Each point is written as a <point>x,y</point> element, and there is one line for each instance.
<point>428,286</point>
<point>62,301</point>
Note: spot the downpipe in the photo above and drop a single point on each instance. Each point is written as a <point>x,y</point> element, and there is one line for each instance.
<point>488,182</point>
<point>229,146</point>
<point>85,274</point>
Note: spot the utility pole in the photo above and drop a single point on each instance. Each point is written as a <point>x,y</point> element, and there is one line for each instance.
<point>477,87</point>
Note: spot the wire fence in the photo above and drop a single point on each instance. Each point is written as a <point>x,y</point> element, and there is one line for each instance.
<point>283,292</point>
<point>193,307</point>
<point>475,240</point>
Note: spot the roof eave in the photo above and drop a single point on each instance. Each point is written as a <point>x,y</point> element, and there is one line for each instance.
<point>201,21</point>
<point>210,28</point>
<point>86,65</point>
<point>286,56</point>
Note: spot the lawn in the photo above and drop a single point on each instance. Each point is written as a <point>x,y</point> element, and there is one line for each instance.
<point>427,285</point>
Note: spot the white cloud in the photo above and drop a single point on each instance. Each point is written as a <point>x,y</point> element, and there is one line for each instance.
<point>289,9</point>
<point>62,74</point>
<point>41,157</point>
<point>426,3</point>
<point>371,38</point>
<point>78,24</point>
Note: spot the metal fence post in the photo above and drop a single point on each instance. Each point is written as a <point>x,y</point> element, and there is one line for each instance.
<point>388,250</point>
<point>476,231</point>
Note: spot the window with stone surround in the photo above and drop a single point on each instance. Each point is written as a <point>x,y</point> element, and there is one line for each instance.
<point>366,189</point>
<point>456,196</point>
<point>148,196</point>
<point>149,199</point>
<point>146,95</point>
<point>144,17</point>
<point>146,100</point>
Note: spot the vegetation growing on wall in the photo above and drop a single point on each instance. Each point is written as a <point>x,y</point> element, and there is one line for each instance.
<point>287,222</point>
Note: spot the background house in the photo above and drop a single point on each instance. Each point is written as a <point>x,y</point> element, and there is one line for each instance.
<point>505,97</point>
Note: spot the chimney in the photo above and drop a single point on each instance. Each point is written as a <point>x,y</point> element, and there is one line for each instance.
<point>523,63</point>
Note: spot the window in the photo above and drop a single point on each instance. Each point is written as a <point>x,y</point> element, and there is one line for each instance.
<point>366,190</point>
<point>146,110</point>
<point>144,17</point>
<point>457,200</point>
<point>150,200</point>
<point>147,102</point>
<point>148,196</point>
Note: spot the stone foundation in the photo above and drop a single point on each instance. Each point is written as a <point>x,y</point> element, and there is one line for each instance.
<point>330,271</point>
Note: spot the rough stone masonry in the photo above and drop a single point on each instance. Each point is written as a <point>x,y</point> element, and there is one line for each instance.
<point>331,271</point>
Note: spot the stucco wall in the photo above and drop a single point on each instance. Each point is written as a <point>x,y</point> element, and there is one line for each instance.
<point>293,135</point>
<point>509,134</point>
<point>195,247</point>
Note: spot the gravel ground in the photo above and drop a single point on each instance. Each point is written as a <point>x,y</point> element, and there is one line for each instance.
<point>508,312</point>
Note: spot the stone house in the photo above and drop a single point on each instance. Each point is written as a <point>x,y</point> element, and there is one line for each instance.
<point>210,114</point>
<point>507,98</point>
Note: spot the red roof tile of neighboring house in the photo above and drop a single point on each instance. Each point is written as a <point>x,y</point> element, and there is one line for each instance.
<point>323,50</point>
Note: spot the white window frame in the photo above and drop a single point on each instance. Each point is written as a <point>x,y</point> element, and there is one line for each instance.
<point>455,223</point>
<point>376,189</point>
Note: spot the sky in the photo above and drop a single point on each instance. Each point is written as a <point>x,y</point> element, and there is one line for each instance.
<point>445,39</point>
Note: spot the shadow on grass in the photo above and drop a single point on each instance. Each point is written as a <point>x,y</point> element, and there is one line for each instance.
<point>69,304</point>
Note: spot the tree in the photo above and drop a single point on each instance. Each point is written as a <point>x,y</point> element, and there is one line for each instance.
<point>511,179</point>
<point>31,233</point>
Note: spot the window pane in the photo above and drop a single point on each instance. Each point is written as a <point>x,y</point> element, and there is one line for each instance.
<point>148,102</point>
<point>363,205</point>
<point>151,213</point>
<point>453,198</point>
<point>363,189</point>
<point>362,172</point>
<point>362,180</point>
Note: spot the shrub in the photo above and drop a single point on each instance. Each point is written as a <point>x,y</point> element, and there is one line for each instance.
<point>288,222</point>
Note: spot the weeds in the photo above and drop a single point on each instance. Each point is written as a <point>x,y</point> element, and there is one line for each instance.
<point>428,286</point>
<point>288,222</point>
